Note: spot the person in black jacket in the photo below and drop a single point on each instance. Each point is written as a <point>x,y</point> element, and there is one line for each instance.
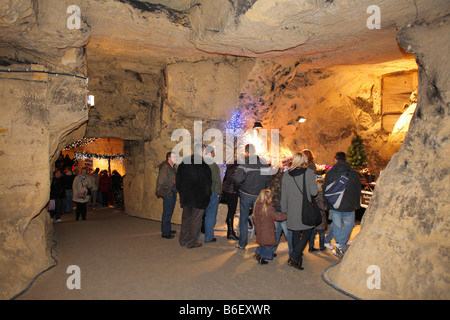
<point>68,181</point>
<point>57,193</point>
<point>231,196</point>
<point>344,216</point>
<point>250,178</point>
<point>193,182</point>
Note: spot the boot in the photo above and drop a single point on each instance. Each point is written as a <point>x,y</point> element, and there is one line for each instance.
<point>262,261</point>
<point>296,264</point>
<point>230,230</point>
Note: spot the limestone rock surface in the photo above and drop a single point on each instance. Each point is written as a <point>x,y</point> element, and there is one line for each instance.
<point>160,65</point>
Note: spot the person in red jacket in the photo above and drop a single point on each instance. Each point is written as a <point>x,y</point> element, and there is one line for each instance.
<point>105,185</point>
<point>264,216</point>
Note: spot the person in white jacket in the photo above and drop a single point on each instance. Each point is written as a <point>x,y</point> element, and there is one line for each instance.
<point>81,186</point>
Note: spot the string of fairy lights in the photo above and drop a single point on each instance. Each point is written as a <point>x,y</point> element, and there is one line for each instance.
<point>80,143</point>
<point>82,156</point>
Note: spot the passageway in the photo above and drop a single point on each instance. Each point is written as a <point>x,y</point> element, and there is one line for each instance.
<point>124,257</point>
<point>158,67</point>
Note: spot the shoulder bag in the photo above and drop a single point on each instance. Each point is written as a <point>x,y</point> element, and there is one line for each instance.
<point>310,210</point>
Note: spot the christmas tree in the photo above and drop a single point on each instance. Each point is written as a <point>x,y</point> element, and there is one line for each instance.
<point>356,155</point>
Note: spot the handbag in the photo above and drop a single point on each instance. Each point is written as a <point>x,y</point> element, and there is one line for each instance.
<point>310,210</point>
<point>51,205</point>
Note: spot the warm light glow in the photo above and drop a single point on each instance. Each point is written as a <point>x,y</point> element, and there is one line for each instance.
<point>301,119</point>
<point>96,153</point>
<point>285,152</point>
<point>402,124</point>
<point>253,137</point>
<point>102,164</point>
<point>91,100</point>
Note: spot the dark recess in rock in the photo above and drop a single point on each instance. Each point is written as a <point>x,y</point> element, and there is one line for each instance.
<point>175,16</point>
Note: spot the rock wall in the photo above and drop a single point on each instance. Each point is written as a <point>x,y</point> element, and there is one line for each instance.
<point>205,90</point>
<point>127,101</point>
<point>336,101</point>
<point>406,227</point>
<point>43,108</point>
<point>40,113</point>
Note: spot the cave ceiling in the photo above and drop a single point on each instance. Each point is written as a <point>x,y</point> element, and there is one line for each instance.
<point>146,34</point>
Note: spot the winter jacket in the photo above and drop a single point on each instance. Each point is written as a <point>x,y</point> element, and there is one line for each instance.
<point>68,180</point>
<point>96,180</point>
<point>264,227</point>
<point>322,204</point>
<point>193,181</point>
<point>105,183</point>
<point>275,187</point>
<point>216,186</point>
<point>250,179</point>
<point>166,179</point>
<point>81,186</point>
<point>228,180</point>
<point>57,190</point>
<point>352,195</point>
<point>292,198</point>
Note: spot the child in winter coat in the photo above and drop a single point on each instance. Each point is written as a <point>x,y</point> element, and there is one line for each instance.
<point>323,226</point>
<point>264,215</point>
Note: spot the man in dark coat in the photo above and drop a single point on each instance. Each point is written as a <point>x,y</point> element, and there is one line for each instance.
<point>193,182</point>
<point>57,193</point>
<point>344,216</point>
<point>250,178</point>
<point>165,188</point>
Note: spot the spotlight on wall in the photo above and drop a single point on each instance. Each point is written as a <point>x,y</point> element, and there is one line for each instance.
<point>91,100</point>
<point>257,125</point>
<point>301,119</point>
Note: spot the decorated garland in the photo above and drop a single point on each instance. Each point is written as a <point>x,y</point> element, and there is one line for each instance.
<point>83,155</point>
<point>80,143</point>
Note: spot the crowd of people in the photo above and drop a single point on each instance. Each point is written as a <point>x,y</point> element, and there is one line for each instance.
<point>86,187</point>
<point>275,201</point>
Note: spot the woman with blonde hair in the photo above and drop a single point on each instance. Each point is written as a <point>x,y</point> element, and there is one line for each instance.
<point>292,202</point>
<point>264,216</point>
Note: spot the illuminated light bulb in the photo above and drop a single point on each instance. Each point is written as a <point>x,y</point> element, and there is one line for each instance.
<point>301,119</point>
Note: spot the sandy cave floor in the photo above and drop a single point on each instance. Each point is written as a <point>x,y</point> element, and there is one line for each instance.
<point>124,257</point>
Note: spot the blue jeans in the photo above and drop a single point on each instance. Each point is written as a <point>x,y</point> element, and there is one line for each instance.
<point>244,207</point>
<point>330,235</point>
<point>321,238</point>
<point>343,223</point>
<point>282,227</point>
<point>210,216</point>
<point>265,252</point>
<point>168,207</point>
<point>68,204</point>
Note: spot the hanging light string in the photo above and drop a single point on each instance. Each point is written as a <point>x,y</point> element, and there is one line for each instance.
<point>83,156</point>
<point>80,143</point>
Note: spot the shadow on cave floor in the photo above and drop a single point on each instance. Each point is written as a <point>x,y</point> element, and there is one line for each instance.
<point>123,257</point>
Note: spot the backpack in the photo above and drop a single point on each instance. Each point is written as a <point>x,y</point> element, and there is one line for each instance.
<point>334,192</point>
